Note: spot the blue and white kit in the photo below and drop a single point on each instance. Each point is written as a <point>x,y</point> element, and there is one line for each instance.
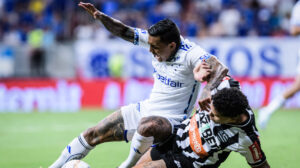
<point>174,91</point>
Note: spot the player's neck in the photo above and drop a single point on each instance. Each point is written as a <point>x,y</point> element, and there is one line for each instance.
<point>241,119</point>
<point>172,56</point>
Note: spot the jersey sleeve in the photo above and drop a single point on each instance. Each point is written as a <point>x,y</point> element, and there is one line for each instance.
<point>227,82</point>
<point>141,37</point>
<point>252,151</point>
<point>197,55</point>
<point>295,17</point>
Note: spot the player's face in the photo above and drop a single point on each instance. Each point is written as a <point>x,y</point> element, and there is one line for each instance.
<point>161,51</point>
<point>217,118</point>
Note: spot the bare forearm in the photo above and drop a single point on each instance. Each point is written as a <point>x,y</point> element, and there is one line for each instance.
<point>205,92</point>
<point>216,76</point>
<point>116,27</point>
<point>218,73</point>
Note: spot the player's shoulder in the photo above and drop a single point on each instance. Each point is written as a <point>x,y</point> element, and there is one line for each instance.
<point>186,45</point>
<point>247,130</point>
<point>227,82</point>
<point>297,6</point>
<point>191,49</point>
<point>189,46</point>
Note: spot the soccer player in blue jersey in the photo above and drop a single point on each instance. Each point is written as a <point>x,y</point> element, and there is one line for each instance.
<point>265,113</point>
<point>179,67</point>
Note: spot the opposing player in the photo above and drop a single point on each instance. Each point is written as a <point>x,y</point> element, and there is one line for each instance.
<point>179,66</point>
<point>265,113</point>
<point>207,138</point>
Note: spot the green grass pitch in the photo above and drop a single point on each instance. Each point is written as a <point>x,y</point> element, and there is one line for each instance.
<point>35,140</point>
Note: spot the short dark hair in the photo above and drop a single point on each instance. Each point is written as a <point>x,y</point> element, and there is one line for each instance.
<point>167,31</point>
<point>230,102</point>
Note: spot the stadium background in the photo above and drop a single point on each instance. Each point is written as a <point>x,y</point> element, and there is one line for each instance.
<point>54,58</point>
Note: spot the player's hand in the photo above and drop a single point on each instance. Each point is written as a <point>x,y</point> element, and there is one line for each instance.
<point>202,72</point>
<point>204,104</point>
<point>90,8</point>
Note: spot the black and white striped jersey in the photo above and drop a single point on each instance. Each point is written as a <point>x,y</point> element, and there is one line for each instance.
<point>208,144</point>
<point>201,143</point>
<point>218,140</point>
<point>227,82</point>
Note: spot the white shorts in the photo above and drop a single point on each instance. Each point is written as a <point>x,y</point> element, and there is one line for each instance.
<point>131,115</point>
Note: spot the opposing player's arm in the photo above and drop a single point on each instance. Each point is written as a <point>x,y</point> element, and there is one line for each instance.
<point>115,26</point>
<point>250,148</point>
<point>213,75</point>
<point>219,71</point>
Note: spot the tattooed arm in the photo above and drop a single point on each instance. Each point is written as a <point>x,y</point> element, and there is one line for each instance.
<point>212,71</point>
<point>219,71</point>
<point>116,27</point>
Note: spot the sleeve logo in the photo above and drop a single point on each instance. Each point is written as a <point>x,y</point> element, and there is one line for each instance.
<point>255,151</point>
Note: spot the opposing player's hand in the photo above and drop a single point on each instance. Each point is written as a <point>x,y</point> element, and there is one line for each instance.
<point>202,72</point>
<point>204,104</point>
<point>90,8</point>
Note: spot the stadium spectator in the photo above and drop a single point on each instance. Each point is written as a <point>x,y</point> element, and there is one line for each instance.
<point>229,19</point>
<point>179,67</point>
<point>207,138</point>
<point>250,17</point>
<point>37,56</point>
<point>266,112</point>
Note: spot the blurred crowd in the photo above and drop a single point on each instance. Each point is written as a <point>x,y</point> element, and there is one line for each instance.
<point>61,20</point>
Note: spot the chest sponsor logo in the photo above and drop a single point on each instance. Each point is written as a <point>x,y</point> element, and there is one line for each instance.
<point>223,137</point>
<point>195,139</point>
<point>206,131</point>
<point>212,135</point>
<point>168,81</point>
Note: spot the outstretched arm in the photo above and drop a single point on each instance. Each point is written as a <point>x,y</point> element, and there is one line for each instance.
<point>116,27</point>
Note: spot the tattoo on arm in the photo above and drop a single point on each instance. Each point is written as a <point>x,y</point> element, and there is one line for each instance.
<point>218,73</point>
<point>116,27</point>
<point>205,92</point>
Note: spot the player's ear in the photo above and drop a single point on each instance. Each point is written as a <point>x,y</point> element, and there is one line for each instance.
<point>172,45</point>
